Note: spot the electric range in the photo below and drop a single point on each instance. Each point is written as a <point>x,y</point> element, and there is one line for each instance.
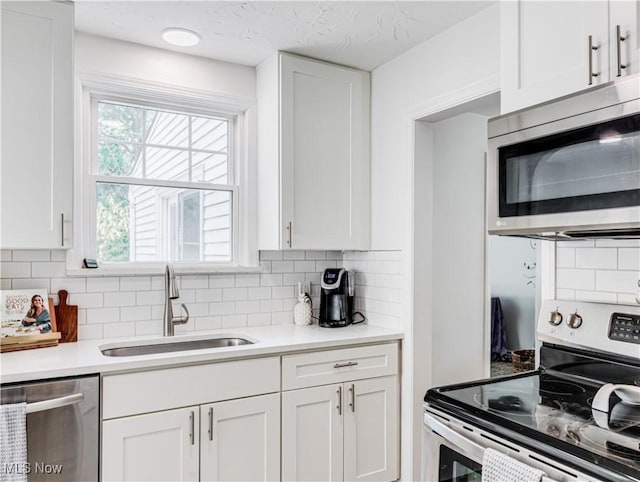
<point>577,417</point>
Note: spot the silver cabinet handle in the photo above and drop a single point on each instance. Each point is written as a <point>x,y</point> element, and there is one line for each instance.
<point>619,40</point>
<point>348,364</point>
<point>592,48</point>
<point>211,424</point>
<point>339,406</point>
<point>352,390</point>
<point>192,427</point>
<point>61,229</point>
<point>54,403</point>
<point>289,234</point>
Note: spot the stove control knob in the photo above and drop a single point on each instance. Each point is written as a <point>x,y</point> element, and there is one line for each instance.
<point>575,320</point>
<point>555,318</point>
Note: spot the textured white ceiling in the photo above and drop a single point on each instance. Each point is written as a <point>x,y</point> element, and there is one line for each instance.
<point>360,34</point>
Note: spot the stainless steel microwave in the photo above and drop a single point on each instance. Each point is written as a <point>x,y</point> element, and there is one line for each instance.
<point>569,168</point>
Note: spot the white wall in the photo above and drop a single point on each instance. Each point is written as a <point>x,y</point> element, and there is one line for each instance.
<point>458,65</point>
<point>100,54</point>
<point>458,333</point>
<point>515,285</point>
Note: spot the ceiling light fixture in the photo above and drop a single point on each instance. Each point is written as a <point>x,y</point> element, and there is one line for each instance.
<point>181,37</point>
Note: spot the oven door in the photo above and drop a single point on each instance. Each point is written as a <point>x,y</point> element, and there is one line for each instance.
<point>453,451</point>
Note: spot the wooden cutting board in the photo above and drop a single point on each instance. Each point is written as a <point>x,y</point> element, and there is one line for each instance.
<point>66,318</point>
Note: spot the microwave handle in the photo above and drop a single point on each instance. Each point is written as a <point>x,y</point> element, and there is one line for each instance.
<point>467,446</point>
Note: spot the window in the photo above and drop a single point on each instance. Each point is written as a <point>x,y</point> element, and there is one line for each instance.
<point>163,184</point>
<point>163,177</point>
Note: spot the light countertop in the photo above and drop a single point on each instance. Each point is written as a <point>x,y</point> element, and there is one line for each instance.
<point>84,357</point>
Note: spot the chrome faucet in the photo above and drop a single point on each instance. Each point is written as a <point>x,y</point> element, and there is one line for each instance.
<point>171,293</point>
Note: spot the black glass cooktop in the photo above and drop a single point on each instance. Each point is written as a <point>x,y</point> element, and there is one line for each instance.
<point>550,410</point>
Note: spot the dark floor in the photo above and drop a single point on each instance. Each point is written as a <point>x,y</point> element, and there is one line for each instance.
<point>501,368</point>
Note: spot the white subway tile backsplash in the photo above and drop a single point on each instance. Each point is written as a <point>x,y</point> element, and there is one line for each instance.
<point>149,298</point>
<point>124,298</point>
<point>247,280</point>
<point>245,307</point>
<point>223,308</point>
<point>119,330</point>
<point>596,296</point>
<point>133,305</point>
<point>282,266</point>
<point>221,281</point>
<point>209,294</point>
<point>135,283</point>
<point>293,255</point>
<point>31,255</point>
<point>234,321</point>
<point>597,258</point>
<point>208,323</point>
<point>30,283</point>
<point>566,258</point>
<point>617,281</point>
<point>618,243</point>
<point>149,327</point>
<point>135,313</point>
<point>583,279</point>
<point>47,269</point>
<point>103,284</point>
<point>86,300</point>
<point>194,282</point>
<point>565,294</point>
<point>103,315</point>
<point>90,332</point>
<point>72,285</point>
<point>259,319</point>
<point>234,294</point>
<point>305,266</point>
<point>15,270</point>
<point>629,259</point>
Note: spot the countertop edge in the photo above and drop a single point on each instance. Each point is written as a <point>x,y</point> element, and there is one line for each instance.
<point>84,358</point>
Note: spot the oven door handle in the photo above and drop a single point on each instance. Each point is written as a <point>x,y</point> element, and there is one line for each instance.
<point>469,447</point>
<point>476,451</point>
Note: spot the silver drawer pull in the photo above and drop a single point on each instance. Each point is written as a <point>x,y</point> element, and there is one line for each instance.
<point>54,403</point>
<point>348,364</point>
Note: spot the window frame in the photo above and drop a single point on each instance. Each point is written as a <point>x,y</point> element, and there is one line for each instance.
<point>240,113</point>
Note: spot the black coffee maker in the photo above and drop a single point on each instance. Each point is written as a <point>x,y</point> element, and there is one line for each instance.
<point>336,298</point>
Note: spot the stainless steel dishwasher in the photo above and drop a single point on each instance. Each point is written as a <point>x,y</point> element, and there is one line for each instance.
<point>62,427</point>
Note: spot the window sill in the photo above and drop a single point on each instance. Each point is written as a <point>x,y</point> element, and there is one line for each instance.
<point>156,270</point>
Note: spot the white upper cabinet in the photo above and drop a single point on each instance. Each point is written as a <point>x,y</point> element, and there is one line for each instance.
<point>37,125</point>
<point>313,155</point>
<point>553,48</point>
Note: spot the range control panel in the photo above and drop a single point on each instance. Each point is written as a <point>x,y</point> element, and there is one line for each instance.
<point>625,327</point>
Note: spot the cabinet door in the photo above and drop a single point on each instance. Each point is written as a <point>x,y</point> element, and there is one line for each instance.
<point>324,141</point>
<point>371,446</point>
<point>154,447</point>
<point>240,439</point>
<point>37,124</point>
<point>625,16</point>
<point>312,446</point>
<point>545,52</point>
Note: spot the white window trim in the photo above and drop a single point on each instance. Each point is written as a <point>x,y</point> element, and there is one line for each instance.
<point>244,200</point>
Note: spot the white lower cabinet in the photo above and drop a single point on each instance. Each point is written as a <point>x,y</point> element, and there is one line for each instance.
<point>151,447</point>
<point>240,439</point>
<point>341,431</point>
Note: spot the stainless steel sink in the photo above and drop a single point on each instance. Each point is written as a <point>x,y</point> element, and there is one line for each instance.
<point>183,345</point>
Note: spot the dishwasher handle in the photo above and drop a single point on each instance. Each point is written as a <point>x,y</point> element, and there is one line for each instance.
<point>54,403</point>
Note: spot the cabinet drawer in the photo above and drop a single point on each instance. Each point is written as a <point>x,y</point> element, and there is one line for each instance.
<point>150,391</point>
<point>335,366</point>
